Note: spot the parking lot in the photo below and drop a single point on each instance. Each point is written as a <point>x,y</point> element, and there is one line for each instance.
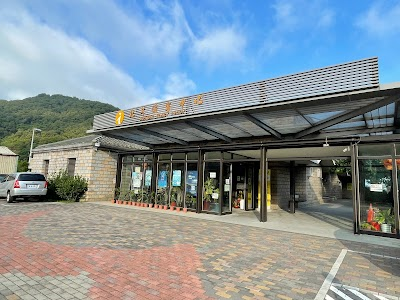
<point>95,251</point>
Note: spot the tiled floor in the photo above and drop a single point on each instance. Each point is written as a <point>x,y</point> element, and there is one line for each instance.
<point>91,251</point>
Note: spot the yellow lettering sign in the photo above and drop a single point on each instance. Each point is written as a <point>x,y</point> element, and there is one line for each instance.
<point>119,117</point>
<point>198,100</point>
<point>155,108</point>
<point>131,113</point>
<point>182,103</point>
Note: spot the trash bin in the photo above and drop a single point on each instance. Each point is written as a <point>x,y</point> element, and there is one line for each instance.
<point>242,204</point>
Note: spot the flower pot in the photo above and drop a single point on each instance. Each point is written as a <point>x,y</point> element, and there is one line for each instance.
<point>144,204</point>
<point>113,201</point>
<point>173,203</point>
<point>171,207</point>
<point>178,208</point>
<point>131,203</point>
<point>184,209</point>
<point>206,205</point>
<point>386,228</point>
<point>155,205</point>
<point>165,207</point>
<point>150,205</point>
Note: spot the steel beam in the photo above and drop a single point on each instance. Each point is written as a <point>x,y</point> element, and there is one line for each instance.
<point>262,125</point>
<point>209,131</point>
<point>347,116</point>
<point>163,136</point>
<point>129,140</point>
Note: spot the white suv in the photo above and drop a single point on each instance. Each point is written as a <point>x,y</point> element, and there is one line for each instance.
<point>23,185</point>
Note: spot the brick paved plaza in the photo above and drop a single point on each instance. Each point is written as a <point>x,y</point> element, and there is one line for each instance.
<point>91,251</point>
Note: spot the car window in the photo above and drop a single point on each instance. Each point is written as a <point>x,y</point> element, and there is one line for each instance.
<point>10,177</point>
<point>2,177</point>
<point>31,177</point>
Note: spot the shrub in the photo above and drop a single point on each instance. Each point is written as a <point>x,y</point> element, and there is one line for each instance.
<point>66,187</point>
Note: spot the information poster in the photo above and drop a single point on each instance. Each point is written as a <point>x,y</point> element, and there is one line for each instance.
<point>176,177</point>
<point>162,179</point>
<point>147,178</point>
<point>136,179</point>
<point>191,182</point>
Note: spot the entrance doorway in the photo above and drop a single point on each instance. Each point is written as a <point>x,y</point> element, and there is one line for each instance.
<point>245,185</point>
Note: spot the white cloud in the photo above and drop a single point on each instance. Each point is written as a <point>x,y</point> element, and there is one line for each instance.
<point>178,85</point>
<point>295,18</point>
<point>35,58</point>
<point>219,47</point>
<point>380,20</point>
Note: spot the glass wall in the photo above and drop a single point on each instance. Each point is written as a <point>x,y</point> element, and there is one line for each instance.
<point>376,186</point>
<point>211,186</point>
<point>136,175</point>
<point>177,180</point>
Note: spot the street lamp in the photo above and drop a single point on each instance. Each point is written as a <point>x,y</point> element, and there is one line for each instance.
<point>30,152</point>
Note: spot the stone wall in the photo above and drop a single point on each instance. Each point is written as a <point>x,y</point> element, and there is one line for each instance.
<point>98,167</point>
<point>314,185</point>
<point>280,187</point>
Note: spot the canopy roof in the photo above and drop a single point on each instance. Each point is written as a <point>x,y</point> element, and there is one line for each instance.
<point>339,101</point>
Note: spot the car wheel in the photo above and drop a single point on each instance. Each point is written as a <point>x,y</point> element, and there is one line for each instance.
<point>9,198</point>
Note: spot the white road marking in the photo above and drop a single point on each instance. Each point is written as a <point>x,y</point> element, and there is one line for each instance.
<point>327,297</point>
<point>358,294</point>
<point>329,278</point>
<point>340,293</point>
<point>380,297</point>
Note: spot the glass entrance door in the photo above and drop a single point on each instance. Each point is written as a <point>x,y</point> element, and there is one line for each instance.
<point>227,187</point>
<point>249,187</point>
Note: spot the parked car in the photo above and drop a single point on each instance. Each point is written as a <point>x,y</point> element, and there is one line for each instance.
<point>2,176</point>
<point>23,185</point>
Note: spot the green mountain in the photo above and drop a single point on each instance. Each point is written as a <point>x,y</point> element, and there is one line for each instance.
<point>59,117</point>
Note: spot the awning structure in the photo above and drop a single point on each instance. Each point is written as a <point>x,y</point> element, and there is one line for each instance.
<point>340,101</point>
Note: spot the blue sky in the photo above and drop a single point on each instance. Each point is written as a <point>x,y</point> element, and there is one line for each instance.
<point>129,53</point>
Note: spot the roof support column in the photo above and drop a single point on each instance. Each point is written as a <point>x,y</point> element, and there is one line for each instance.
<point>292,201</point>
<point>200,177</point>
<point>263,170</point>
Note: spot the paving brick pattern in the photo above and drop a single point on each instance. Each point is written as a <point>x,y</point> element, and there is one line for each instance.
<point>90,251</point>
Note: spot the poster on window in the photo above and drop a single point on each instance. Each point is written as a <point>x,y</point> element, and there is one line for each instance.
<point>191,182</point>
<point>136,179</point>
<point>147,178</point>
<point>176,177</point>
<point>162,179</point>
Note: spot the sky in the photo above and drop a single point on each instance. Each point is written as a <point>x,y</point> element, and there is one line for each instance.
<point>129,53</point>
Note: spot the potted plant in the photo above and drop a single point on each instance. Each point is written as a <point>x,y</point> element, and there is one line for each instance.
<point>117,192</point>
<point>209,189</point>
<point>386,219</point>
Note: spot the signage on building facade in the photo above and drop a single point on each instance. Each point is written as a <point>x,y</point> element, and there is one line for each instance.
<point>160,110</point>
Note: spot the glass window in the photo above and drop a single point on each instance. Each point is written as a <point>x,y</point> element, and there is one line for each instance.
<point>138,158</point>
<point>71,166</point>
<point>193,156</point>
<point>191,186</point>
<point>376,196</point>
<point>211,187</point>
<point>213,155</point>
<point>148,158</point>
<point>178,156</point>
<point>177,184</point>
<point>126,174</point>
<point>164,157</point>
<point>227,186</point>
<point>375,150</point>
<point>136,192</point>
<point>46,163</point>
<point>163,183</point>
<point>227,155</point>
<point>31,177</point>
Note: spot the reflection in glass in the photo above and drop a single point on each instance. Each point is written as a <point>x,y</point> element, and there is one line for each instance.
<point>376,196</point>
<point>177,188</point>
<point>211,187</point>
<point>163,183</point>
<point>191,186</point>
<point>227,186</point>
